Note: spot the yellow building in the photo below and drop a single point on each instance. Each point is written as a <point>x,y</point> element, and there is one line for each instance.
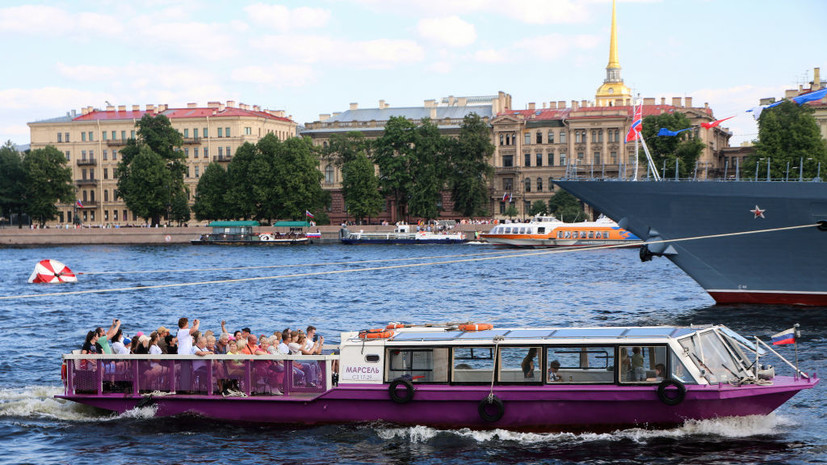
<point>92,139</point>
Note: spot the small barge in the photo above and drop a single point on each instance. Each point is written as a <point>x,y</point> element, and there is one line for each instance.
<point>538,379</point>
<point>401,234</point>
<point>242,233</point>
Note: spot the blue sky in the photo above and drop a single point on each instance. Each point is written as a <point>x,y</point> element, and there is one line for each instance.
<point>318,56</point>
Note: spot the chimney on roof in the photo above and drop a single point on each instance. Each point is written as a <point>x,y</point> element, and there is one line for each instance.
<point>676,101</point>
<point>688,102</point>
<point>192,105</point>
<point>324,117</point>
<point>663,100</point>
<point>462,101</point>
<point>213,104</point>
<point>430,103</point>
<point>354,105</point>
<point>574,105</point>
<point>230,103</point>
<point>816,84</point>
<point>256,108</point>
<point>706,105</point>
<point>649,101</point>
<point>136,108</point>
<point>84,111</point>
<point>150,107</point>
<point>544,105</point>
<point>531,105</point>
<point>584,104</point>
<point>244,106</point>
<point>110,108</point>
<point>279,113</point>
<point>336,114</point>
<point>552,105</point>
<point>432,114</point>
<point>561,104</point>
<point>162,107</point>
<point>121,107</point>
<point>381,104</point>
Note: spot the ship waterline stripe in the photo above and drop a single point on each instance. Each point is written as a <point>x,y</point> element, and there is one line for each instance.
<point>389,267</point>
<point>763,291</point>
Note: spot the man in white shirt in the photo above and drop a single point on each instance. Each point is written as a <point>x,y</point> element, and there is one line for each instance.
<point>185,348</point>
<point>285,339</point>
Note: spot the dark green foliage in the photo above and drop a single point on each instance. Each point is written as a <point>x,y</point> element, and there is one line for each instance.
<point>47,181</point>
<point>427,168</point>
<point>180,209</point>
<point>787,133</point>
<point>243,191</point>
<point>360,187</point>
<point>538,207</point>
<point>684,146</point>
<point>12,181</point>
<point>342,148</point>
<point>566,207</point>
<point>393,154</point>
<point>469,169</point>
<point>511,211</point>
<point>211,194</point>
<point>297,177</point>
<point>151,197</point>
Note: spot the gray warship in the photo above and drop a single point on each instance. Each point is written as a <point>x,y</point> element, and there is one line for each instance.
<point>769,239</point>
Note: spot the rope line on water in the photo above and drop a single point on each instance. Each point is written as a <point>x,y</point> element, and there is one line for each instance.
<point>409,265</point>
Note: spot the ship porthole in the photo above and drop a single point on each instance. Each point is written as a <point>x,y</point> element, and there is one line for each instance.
<point>491,409</point>
<point>401,397</point>
<point>671,396</point>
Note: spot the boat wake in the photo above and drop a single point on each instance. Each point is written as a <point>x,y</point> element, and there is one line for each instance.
<point>729,427</point>
<point>39,403</point>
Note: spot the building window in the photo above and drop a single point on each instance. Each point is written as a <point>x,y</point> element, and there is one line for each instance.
<point>538,159</point>
<point>220,153</point>
<point>562,137</point>
<point>206,152</point>
<point>551,158</point>
<point>68,156</point>
<point>328,174</point>
<point>66,136</point>
<point>83,155</point>
<point>106,215</point>
<point>92,176</point>
<point>186,133</point>
<point>206,134</point>
<point>106,173</point>
<point>90,137</point>
<point>195,152</point>
<point>596,160</point>
<point>527,184</point>
<point>92,155</point>
<point>562,158</point>
<point>508,184</point>
<point>508,161</point>
<point>105,193</point>
<point>247,131</point>
<point>580,157</point>
<point>187,174</point>
<point>526,207</point>
<point>502,208</point>
<point>196,171</point>
<point>527,138</point>
<point>527,159</point>
<point>105,153</point>
<point>539,137</point>
<point>613,155</point>
<point>226,132</point>
<point>114,215</point>
<point>577,137</point>
<point>114,155</point>
<point>83,137</point>
<point>220,132</point>
<point>132,134</point>
<point>114,136</point>
<point>195,133</point>
<point>186,152</point>
<point>551,137</point>
<point>60,137</point>
<point>123,135</point>
<point>92,195</point>
<point>103,133</point>
<point>502,138</point>
<point>229,154</point>
<point>550,184</point>
<point>85,198</point>
<point>539,184</point>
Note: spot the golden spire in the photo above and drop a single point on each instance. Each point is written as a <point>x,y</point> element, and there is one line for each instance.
<point>613,61</point>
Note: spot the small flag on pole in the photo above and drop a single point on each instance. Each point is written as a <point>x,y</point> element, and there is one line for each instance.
<point>308,214</point>
<point>637,123</point>
<point>784,337</point>
<point>509,197</point>
<point>79,204</point>
<point>505,196</point>
<point>667,132</point>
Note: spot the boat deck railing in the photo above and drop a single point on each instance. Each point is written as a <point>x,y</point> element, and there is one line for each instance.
<point>211,375</point>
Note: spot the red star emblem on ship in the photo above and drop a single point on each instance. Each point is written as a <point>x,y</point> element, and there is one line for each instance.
<point>758,212</point>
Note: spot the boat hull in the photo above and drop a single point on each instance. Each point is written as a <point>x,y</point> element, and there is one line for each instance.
<point>275,242</point>
<point>532,408</point>
<point>770,267</point>
<point>401,241</point>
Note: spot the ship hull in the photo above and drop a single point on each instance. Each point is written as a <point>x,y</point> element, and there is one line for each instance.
<point>771,265</point>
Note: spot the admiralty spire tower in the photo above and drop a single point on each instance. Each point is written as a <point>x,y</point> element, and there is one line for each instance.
<point>613,92</point>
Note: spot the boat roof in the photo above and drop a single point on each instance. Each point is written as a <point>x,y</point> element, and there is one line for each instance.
<point>609,334</point>
<point>291,224</point>
<point>232,224</point>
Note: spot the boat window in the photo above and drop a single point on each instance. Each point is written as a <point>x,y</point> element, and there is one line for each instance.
<point>591,234</point>
<point>642,364</point>
<point>719,363</point>
<point>605,234</point>
<point>580,364</point>
<point>568,234</point>
<point>541,230</point>
<point>508,230</point>
<point>520,365</point>
<point>522,230</point>
<point>678,371</point>
<point>574,235</point>
<point>420,365</point>
<point>473,364</point>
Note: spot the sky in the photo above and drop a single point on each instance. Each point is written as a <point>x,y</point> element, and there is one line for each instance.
<point>318,56</point>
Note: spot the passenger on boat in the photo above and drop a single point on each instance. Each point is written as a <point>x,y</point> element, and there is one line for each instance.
<point>105,337</point>
<point>285,339</point>
<point>251,346</point>
<point>222,345</point>
<point>625,365</point>
<point>660,373</point>
<point>185,344</point>
<point>310,368</point>
<point>162,341</point>
<point>142,347</point>
<point>528,363</point>
<point>639,373</point>
<point>210,342</point>
<point>553,368</point>
<point>119,343</point>
<point>156,370</point>
<point>172,344</point>
<point>89,347</point>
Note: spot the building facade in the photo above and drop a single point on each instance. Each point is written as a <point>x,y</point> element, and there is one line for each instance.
<point>448,114</point>
<point>91,142</point>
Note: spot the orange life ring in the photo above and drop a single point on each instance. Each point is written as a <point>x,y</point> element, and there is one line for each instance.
<point>395,325</point>
<point>63,371</point>
<point>476,327</point>
<point>379,333</point>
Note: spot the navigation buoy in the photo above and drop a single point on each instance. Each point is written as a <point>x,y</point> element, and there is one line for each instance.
<point>52,272</point>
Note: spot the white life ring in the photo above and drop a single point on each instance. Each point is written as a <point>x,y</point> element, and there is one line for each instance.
<point>266,237</point>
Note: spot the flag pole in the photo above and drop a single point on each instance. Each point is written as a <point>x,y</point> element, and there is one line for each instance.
<point>796,335</point>
<point>637,150</point>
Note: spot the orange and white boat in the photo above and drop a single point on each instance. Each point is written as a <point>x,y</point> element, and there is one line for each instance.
<point>548,231</point>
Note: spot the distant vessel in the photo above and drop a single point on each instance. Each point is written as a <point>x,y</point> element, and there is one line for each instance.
<point>777,266</point>
<point>401,234</point>
<point>456,375</point>
<point>241,233</point>
<point>548,231</point>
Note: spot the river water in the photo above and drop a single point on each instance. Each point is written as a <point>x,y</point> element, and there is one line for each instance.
<point>597,288</point>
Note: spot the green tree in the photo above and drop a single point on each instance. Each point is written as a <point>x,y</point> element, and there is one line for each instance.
<point>48,181</point>
<point>685,147</point>
<point>342,148</point>
<point>180,208</point>
<point>538,207</point>
<point>155,134</point>
<point>566,207</point>
<point>148,184</point>
<point>12,182</point>
<point>427,171</point>
<point>393,154</point>
<point>469,168</point>
<point>241,178</point>
<point>210,194</point>
<point>787,133</point>
<point>360,187</point>
<point>511,211</point>
<point>297,176</point>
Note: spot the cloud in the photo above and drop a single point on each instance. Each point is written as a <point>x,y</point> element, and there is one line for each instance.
<point>526,11</point>
<point>283,19</point>
<point>52,21</point>
<point>374,54</point>
<point>553,46</point>
<point>450,31</point>
<point>278,75</point>
<point>440,67</point>
<point>203,40</point>
<point>490,56</point>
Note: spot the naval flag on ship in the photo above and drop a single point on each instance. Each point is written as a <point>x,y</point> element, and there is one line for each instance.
<point>637,124</point>
<point>788,336</point>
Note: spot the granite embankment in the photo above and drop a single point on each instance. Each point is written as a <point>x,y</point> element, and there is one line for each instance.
<point>14,237</point>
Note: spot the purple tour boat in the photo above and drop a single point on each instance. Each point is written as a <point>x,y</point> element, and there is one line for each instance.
<point>458,375</point>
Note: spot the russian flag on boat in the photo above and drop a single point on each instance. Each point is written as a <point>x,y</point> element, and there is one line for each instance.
<point>308,214</point>
<point>784,337</point>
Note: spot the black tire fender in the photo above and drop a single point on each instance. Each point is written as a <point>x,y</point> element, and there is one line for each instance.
<point>680,392</point>
<point>406,396</point>
<point>489,403</point>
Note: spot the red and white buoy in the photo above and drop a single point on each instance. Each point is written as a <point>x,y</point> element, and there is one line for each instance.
<point>52,272</point>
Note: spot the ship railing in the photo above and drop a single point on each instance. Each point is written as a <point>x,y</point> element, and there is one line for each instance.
<point>210,375</point>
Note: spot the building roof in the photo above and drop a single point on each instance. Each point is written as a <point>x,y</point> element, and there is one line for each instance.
<point>415,113</point>
<point>171,113</point>
<point>590,112</point>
